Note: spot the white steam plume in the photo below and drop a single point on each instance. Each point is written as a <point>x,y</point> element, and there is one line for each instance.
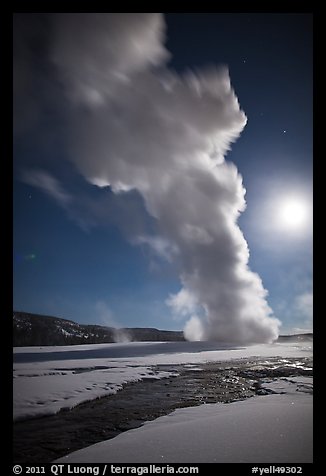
<point>137,125</point>
<point>106,317</point>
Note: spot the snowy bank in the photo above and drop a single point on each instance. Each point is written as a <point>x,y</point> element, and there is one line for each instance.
<point>267,429</point>
<point>47,380</point>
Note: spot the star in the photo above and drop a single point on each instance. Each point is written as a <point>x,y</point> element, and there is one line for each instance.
<point>285,131</point>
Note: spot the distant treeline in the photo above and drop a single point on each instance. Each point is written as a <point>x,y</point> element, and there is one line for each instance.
<point>37,330</point>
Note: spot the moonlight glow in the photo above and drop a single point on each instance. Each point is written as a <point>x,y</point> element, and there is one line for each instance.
<point>293,214</point>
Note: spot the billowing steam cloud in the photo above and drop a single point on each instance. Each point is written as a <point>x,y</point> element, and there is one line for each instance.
<point>136,125</point>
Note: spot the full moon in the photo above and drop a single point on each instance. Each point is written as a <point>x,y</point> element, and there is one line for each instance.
<point>293,214</point>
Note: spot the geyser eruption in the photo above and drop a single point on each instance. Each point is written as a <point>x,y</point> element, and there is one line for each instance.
<point>137,125</point>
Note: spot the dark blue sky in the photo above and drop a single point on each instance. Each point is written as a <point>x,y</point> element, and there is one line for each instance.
<point>94,273</point>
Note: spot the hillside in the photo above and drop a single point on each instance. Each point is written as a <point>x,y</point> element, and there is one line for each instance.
<point>34,329</point>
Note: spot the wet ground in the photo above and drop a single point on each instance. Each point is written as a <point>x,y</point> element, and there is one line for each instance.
<point>42,440</point>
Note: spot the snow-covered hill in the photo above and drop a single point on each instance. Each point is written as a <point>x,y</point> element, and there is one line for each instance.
<point>33,329</point>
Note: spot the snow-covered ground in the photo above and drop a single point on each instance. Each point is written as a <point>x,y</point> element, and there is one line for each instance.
<point>48,379</point>
<point>266,429</point>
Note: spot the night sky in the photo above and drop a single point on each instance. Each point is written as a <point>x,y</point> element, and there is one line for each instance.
<point>79,249</point>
